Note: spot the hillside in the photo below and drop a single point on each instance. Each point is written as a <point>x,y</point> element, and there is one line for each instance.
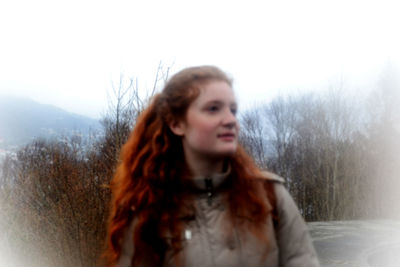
<point>22,120</point>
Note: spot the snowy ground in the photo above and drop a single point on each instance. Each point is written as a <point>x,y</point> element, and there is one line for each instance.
<point>357,243</point>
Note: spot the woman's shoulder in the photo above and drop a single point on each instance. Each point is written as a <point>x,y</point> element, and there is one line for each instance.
<point>277,194</point>
<point>267,176</point>
<point>276,191</point>
<point>276,183</point>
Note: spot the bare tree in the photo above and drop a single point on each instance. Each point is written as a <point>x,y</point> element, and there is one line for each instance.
<point>309,139</point>
<point>55,193</point>
<point>124,106</point>
<point>252,136</point>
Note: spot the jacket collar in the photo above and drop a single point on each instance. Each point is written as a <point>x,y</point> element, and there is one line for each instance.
<point>215,180</point>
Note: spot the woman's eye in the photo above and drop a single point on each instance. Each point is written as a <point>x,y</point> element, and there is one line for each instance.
<point>213,108</point>
<point>234,111</point>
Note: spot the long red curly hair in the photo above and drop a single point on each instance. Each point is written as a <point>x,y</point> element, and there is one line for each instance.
<point>148,185</point>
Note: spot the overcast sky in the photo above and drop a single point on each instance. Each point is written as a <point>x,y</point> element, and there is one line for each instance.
<point>68,53</point>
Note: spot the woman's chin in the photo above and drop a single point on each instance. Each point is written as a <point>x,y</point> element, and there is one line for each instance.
<point>226,152</point>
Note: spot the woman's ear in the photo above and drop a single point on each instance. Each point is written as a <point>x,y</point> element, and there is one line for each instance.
<point>177,127</point>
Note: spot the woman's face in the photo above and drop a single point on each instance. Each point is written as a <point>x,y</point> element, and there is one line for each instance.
<point>210,128</point>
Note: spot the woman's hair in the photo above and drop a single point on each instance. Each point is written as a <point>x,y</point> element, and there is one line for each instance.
<point>147,186</point>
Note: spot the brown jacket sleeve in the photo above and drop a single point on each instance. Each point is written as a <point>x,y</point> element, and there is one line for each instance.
<point>127,249</point>
<point>295,244</point>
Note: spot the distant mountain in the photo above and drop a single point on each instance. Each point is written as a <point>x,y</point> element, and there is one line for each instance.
<point>22,120</point>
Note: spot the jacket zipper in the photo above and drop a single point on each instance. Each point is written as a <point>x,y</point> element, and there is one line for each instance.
<point>209,188</point>
<point>203,228</point>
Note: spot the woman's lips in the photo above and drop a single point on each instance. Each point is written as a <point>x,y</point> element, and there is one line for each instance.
<point>227,136</point>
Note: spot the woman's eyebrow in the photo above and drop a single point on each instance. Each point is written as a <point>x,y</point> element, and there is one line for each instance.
<point>234,103</point>
<point>218,102</point>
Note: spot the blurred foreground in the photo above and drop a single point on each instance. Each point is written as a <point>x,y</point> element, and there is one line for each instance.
<point>338,243</point>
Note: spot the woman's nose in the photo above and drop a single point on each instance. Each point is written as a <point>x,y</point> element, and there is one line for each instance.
<point>229,119</point>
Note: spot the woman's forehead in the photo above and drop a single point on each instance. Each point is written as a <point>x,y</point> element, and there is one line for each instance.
<point>216,91</point>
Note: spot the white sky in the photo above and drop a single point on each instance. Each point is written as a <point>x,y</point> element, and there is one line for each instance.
<point>67,53</point>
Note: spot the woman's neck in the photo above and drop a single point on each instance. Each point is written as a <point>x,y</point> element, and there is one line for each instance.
<point>204,166</point>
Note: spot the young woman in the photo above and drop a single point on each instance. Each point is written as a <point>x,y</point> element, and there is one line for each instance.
<point>186,193</point>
